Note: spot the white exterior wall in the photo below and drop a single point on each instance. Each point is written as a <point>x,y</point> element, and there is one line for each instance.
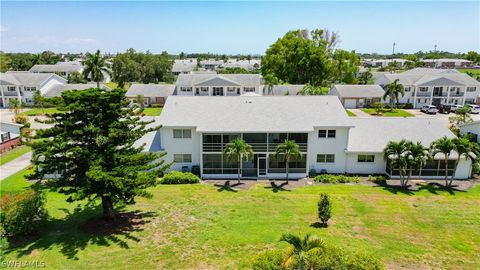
<point>355,167</point>
<point>180,146</point>
<point>471,128</point>
<point>334,146</point>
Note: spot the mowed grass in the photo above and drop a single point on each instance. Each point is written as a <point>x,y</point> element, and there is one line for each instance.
<point>203,227</point>
<point>14,153</point>
<point>470,70</point>
<point>350,113</point>
<point>39,111</point>
<point>152,111</point>
<point>15,183</point>
<point>388,113</point>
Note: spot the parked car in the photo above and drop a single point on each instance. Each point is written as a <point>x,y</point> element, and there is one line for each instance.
<point>429,109</point>
<point>454,108</point>
<point>444,108</point>
<point>475,109</point>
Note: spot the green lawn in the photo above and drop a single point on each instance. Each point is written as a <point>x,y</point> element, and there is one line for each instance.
<point>152,111</point>
<point>203,227</point>
<point>350,113</point>
<point>388,113</point>
<point>470,70</point>
<point>14,183</point>
<point>38,111</point>
<point>13,154</point>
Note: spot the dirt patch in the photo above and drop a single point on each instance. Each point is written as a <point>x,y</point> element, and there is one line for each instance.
<point>124,222</point>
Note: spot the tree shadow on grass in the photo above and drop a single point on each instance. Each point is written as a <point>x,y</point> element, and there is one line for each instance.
<point>276,188</point>
<point>83,227</point>
<point>319,225</point>
<point>227,186</point>
<point>396,189</point>
<point>410,190</point>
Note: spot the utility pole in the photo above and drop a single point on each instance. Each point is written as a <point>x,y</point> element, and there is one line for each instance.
<point>393,50</point>
<point>435,56</point>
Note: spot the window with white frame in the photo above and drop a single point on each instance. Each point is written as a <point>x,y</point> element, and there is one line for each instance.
<point>182,134</point>
<point>186,89</point>
<point>230,89</point>
<point>471,89</point>
<point>366,158</point>
<point>423,89</point>
<point>11,88</point>
<point>30,88</point>
<point>182,158</point>
<point>407,89</point>
<point>249,89</point>
<point>327,133</point>
<point>325,158</point>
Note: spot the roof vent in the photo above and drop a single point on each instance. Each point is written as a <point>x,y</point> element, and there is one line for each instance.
<point>248,101</point>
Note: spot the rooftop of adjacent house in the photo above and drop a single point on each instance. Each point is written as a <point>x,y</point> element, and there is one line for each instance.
<point>254,114</point>
<point>150,90</point>
<point>184,65</point>
<point>212,79</point>
<point>57,90</point>
<point>429,71</point>
<point>64,67</point>
<point>371,135</point>
<point>287,89</point>
<point>27,78</point>
<point>359,91</point>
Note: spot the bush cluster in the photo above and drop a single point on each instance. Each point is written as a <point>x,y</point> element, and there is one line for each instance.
<point>175,177</point>
<point>21,119</point>
<point>377,179</point>
<point>22,213</point>
<point>319,259</point>
<point>156,106</point>
<point>334,179</point>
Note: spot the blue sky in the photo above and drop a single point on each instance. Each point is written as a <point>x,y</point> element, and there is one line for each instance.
<point>235,27</point>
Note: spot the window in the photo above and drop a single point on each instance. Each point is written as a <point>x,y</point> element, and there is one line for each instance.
<point>366,158</point>
<point>186,89</point>
<point>407,89</point>
<point>230,89</point>
<point>182,158</point>
<point>30,89</point>
<point>471,89</point>
<point>5,136</point>
<point>182,133</point>
<point>327,133</point>
<point>249,89</point>
<point>11,88</point>
<point>423,89</point>
<point>326,158</point>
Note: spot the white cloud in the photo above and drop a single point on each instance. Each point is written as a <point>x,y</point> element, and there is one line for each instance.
<point>3,28</point>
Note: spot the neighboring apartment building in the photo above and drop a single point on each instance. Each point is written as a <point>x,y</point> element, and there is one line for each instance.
<point>63,69</point>
<point>357,96</point>
<point>23,85</point>
<point>211,84</point>
<point>447,63</point>
<point>185,66</point>
<point>152,93</point>
<point>383,62</point>
<point>425,86</point>
<point>9,136</point>
<point>195,131</point>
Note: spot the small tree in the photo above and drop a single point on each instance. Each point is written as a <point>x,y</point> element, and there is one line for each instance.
<point>39,101</point>
<point>462,116</point>
<point>15,105</point>
<point>395,154</point>
<point>238,149</point>
<point>299,249</point>
<point>76,77</point>
<point>378,106</point>
<point>289,150</point>
<point>393,92</point>
<point>139,99</point>
<point>324,208</point>
<point>443,146</point>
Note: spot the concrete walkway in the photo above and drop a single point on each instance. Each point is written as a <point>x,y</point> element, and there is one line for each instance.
<point>15,165</point>
<point>360,113</point>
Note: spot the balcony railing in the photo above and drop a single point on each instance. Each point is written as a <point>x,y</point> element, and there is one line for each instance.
<point>10,93</point>
<point>457,94</point>
<point>439,94</point>
<point>256,147</point>
<point>424,94</point>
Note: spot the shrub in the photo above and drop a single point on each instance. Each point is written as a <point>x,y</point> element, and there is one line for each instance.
<point>377,179</point>
<point>324,208</point>
<point>175,177</point>
<point>334,179</point>
<point>268,260</point>
<point>408,106</point>
<point>22,213</point>
<point>156,106</point>
<point>20,119</point>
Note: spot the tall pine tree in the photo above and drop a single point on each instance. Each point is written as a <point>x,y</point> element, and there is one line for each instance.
<point>91,150</point>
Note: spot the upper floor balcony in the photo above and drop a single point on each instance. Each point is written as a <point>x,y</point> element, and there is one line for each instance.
<point>423,94</point>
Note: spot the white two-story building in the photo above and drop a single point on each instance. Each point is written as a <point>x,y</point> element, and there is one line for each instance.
<point>212,84</point>
<point>425,86</point>
<point>195,131</point>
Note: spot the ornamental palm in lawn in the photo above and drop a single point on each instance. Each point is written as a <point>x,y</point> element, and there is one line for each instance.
<point>465,149</point>
<point>15,105</point>
<point>396,154</point>
<point>289,150</point>
<point>443,146</point>
<point>393,91</point>
<point>94,66</point>
<point>300,247</point>
<point>418,156</point>
<point>238,149</point>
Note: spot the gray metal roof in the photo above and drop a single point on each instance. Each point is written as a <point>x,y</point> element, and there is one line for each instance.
<point>64,67</point>
<point>431,71</point>
<point>254,114</point>
<point>8,79</point>
<point>240,79</point>
<point>150,90</point>
<point>359,91</point>
<point>373,133</point>
<point>433,79</point>
<point>57,90</point>
<point>32,79</point>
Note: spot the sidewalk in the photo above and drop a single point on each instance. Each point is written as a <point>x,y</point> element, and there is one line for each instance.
<point>360,113</point>
<point>15,165</point>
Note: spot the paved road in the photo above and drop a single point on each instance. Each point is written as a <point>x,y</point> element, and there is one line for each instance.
<point>15,165</point>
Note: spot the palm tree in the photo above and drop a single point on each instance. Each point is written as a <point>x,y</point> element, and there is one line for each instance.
<point>396,154</point>
<point>139,99</point>
<point>15,105</point>
<point>238,149</point>
<point>289,150</point>
<point>464,148</point>
<point>94,66</point>
<point>393,91</point>
<point>418,156</point>
<point>300,247</point>
<point>444,146</point>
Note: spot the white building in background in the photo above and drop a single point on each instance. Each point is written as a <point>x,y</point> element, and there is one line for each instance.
<point>384,62</point>
<point>195,131</point>
<point>64,69</point>
<point>447,63</point>
<point>22,85</point>
<point>184,66</point>
<point>212,84</point>
<point>357,96</point>
<point>426,86</point>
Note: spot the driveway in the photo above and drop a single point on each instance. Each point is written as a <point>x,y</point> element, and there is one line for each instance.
<point>444,118</point>
<point>15,165</point>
